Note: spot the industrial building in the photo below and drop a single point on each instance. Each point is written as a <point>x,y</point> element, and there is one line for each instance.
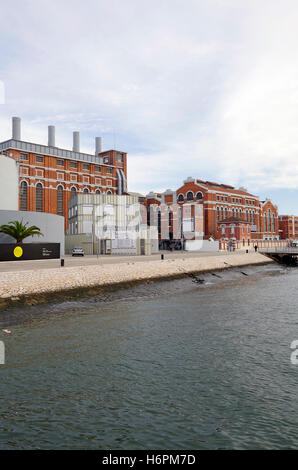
<point>218,202</point>
<point>288,225</point>
<point>49,175</point>
<point>51,225</point>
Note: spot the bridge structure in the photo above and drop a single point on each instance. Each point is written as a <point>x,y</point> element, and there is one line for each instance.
<point>285,255</point>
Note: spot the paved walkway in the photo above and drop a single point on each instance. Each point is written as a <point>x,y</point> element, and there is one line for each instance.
<point>89,260</point>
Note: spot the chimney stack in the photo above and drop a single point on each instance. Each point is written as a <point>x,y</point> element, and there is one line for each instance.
<point>76,141</point>
<point>97,145</point>
<point>51,136</point>
<point>16,128</point>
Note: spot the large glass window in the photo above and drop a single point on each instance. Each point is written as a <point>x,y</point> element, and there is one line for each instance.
<point>24,196</point>
<point>73,192</point>
<point>60,200</point>
<point>39,197</point>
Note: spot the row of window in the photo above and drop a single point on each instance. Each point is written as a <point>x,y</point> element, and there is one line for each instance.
<point>249,202</point>
<point>190,196</point>
<point>39,197</point>
<point>222,213</point>
<point>73,164</point>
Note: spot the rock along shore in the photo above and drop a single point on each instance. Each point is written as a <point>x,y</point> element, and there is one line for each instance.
<point>43,285</point>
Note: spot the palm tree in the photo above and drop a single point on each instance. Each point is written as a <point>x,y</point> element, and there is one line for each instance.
<point>19,231</point>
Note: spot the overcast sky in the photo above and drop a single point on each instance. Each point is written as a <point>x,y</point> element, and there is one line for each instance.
<point>203,88</point>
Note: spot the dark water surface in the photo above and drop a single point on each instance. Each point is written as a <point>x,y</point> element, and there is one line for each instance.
<point>170,365</point>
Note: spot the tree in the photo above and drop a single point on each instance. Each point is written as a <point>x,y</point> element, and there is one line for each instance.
<point>19,231</point>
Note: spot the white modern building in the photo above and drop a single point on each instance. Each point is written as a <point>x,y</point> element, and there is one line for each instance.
<point>110,224</point>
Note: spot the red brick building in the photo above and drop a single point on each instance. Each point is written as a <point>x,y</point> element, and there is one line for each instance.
<point>288,225</point>
<point>233,229</point>
<point>220,202</point>
<point>49,175</point>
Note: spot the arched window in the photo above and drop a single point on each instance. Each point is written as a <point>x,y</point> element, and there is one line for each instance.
<point>24,196</point>
<point>189,196</point>
<point>109,192</point>
<point>60,200</point>
<point>39,197</point>
<point>222,213</point>
<point>159,222</point>
<point>217,213</point>
<point>86,191</point>
<point>180,198</point>
<point>73,192</point>
<point>199,196</point>
<point>170,217</point>
<point>98,191</point>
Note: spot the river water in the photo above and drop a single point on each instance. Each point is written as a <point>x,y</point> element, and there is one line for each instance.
<point>168,365</point>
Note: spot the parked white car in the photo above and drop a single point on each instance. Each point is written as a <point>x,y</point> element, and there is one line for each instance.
<point>78,251</point>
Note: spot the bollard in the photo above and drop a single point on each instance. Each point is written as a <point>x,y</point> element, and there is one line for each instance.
<point>161,256</point>
<point>246,251</point>
<point>62,262</point>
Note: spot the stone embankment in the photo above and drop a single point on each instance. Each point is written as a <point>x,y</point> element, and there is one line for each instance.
<point>42,285</point>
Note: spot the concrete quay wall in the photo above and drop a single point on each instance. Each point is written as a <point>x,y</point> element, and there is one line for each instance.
<point>43,285</point>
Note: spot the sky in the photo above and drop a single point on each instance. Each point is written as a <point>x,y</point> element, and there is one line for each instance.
<point>202,88</point>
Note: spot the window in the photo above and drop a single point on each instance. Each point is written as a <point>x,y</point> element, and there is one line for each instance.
<point>119,157</point>
<point>60,200</point>
<point>98,191</point>
<point>39,159</point>
<point>159,222</point>
<point>86,166</point>
<point>73,192</point>
<point>109,170</point>
<point>39,197</point>
<point>24,156</point>
<point>170,217</point>
<point>217,213</point>
<point>106,159</point>
<point>180,198</point>
<point>222,213</point>
<point>73,164</point>
<point>24,195</point>
<point>97,168</point>
<point>232,229</point>
<point>189,196</point>
<point>86,191</point>
<point>223,229</point>
<point>199,196</point>
<point>109,192</point>
<point>60,162</point>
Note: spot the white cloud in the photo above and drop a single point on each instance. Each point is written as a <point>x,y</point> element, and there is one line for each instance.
<point>207,88</point>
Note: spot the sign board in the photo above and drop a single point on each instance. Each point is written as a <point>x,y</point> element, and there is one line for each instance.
<point>29,251</point>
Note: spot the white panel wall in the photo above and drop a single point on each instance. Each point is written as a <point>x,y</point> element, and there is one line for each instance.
<point>9,190</point>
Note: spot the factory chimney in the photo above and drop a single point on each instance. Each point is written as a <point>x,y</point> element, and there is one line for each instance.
<point>76,141</point>
<point>51,136</point>
<point>97,145</point>
<point>16,128</point>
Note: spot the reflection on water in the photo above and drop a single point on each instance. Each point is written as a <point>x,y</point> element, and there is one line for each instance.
<point>177,365</point>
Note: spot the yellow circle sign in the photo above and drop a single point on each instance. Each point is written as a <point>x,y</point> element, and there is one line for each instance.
<point>18,252</point>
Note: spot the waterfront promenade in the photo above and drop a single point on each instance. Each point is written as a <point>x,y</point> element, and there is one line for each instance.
<point>35,282</point>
